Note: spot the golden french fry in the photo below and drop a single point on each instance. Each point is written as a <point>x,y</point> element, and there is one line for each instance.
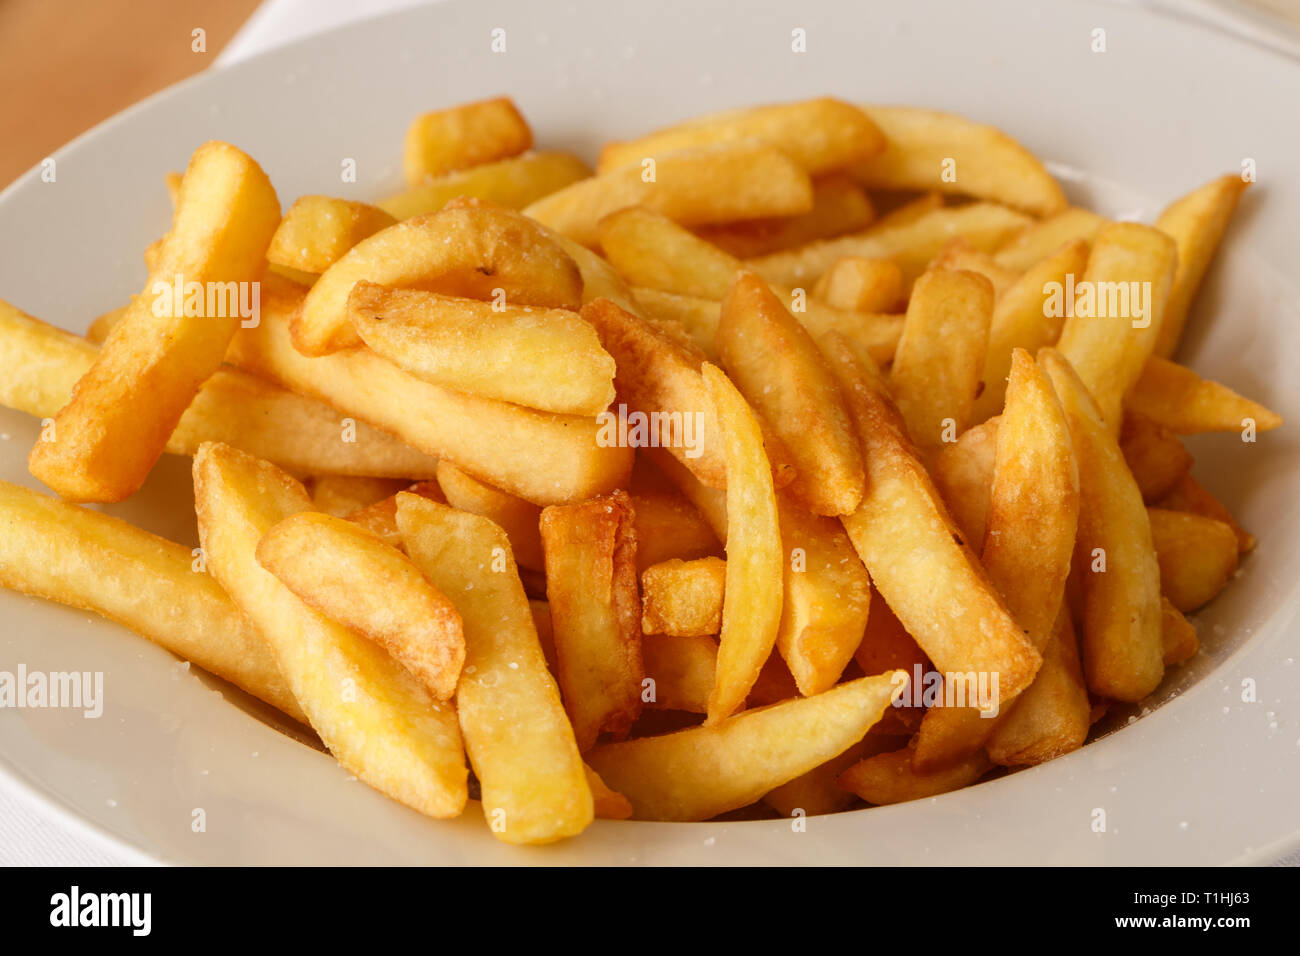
<point>444,141</point>
<point>682,669</point>
<point>548,359</point>
<point>709,503</point>
<point>1113,321</point>
<point>351,576</point>
<point>1196,223</point>
<point>751,610</point>
<point>1197,556</point>
<point>816,792</point>
<point>608,804</point>
<point>591,586</point>
<point>381,517</point>
<point>103,443</point>
<point>819,134</point>
<point>886,645</point>
<point>342,495</point>
<point>1115,556</point>
<point>670,311</point>
<point>940,355</point>
<point>683,598</point>
<point>701,772</point>
<point>1174,396</point>
<point>839,205</point>
<point>890,777</point>
<point>539,456</point>
<point>317,231</point>
<point>513,183</point>
<point>1188,495</point>
<point>927,149</point>
<point>668,526</point>
<point>1178,635</point>
<point>963,473</point>
<point>778,368</point>
<point>54,550</point>
<point>960,256</point>
<point>518,737</point>
<point>859,284</point>
<point>475,252</point>
<point>1154,455</point>
<point>378,721</point>
<point>1037,240</point>
<point>517,517</point>
<point>694,187</point>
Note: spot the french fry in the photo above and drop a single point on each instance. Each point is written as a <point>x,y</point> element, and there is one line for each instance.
<point>927,149</point>
<point>378,721</point>
<point>518,738</point>
<point>57,551</point>
<point>1116,315</point>
<point>776,365</point>
<point>1196,222</point>
<point>682,669</point>
<point>668,526</point>
<point>381,517</point>
<point>887,646</point>
<point>608,804</point>
<point>1197,556</point>
<point>513,183</point>
<point>548,359</point>
<point>859,284</point>
<point>444,141</point>
<point>342,495</point>
<point>1189,495</point>
<point>839,205</point>
<point>591,586</point>
<point>963,473</point>
<point>541,457</point>
<point>709,503</point>
<point>1037,240</point>
<point>1178,635</point>
<point>683,598</point>
<point>1115,556</point>
<point>959,256</point>
<point>317,231</point>
<point>478,253</point>
<point>1174,396</point>
<point>940,355</point>
<point>701,772</point>
<point>104,442</point>
<point>751,611</point>
<point>699,317</point>
<point>816,792</point>
<point>40,365</point>
<point>694,187</point>
<point>891,778</point>
<point>1154,455</point>
<point>819,134</point>
<point>516,517</point>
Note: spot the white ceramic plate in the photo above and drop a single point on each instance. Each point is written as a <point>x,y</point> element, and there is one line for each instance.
<point>1205,777</point>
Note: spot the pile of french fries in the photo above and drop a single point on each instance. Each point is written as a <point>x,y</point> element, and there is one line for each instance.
<point>655,491</point>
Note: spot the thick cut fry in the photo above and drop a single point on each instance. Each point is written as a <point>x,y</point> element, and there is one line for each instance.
<point>381,517</point>
<point>682,669</point>
<point>57,551</point>
<point>548,359</point>
<point>40,365</point>
<point>693,187</point>
<point>927,149</point>
<point>518,737</point>
<point>778,368</point>
<point>444,141</point>
<point>963,473</point>
<point>683,598</point>
<point>1178,635</point>
<point>891,778</point>
<point>751,611</point>
<point>608,804</point>
<point>1196,223</point>
<point>513,183</point>
<point>1197,556</point>
<point>517,517</point>
<point>538,456</point>
<point>916,555</point>
<point>1020,320</point>
<point>1174,396</point>
<point>668,526</point>
<point>1037,240</point>
<point>820,135</point>
<point>475,252</point>
<point>860,284</point>
<point>352,577</point>
<point>378,721</point>
<point>839,205</point>
<point>1114,555</point>
<point>104,442</point>
<point>959,256</point>
<point>342,495</point>
<point>1154,455</point>
<point>1112,323</point>
<point>937,368</point>
<point>591,586</point>
<point>1189,495</point>
<point>318,230</point>
<point>699,773</point>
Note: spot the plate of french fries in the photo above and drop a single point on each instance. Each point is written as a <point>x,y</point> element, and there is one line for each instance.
<point>611,448</point>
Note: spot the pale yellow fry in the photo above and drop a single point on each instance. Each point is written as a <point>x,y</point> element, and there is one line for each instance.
<point>318,230</point>
<point>1176,397</point>
<point>1037,240</point>
<point>511,182</point>
<point>963,473</point>
<point>517,517</point>
<point>443,141</point>
<point>861,284</point>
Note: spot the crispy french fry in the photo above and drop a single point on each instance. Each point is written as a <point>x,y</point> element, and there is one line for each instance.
<point>475,252</point>
<point>682,669</point>
<point>1115,556</point>
<point>378,721</point>
<point>860,284</point>
<point>104,442</point>
<point>963,473</point>
<point>60,552</point>
<point>317,231</point>
<point>513,183</point>
<point>927,149</point>
<point>516,732</point>
<point>517,518</point>
<point>591,586</point>
<point>816,792</point>
<point>891,778</point>
<point>751,610</point>
<point>1117,312</point>
<point>959,256</point>
<point>668,526</point>
<point>1189,495</point>
<point>1154,455</point>
<point>444,141</point>
<point>701,772</point>
<point>1196,223</point>
<point>548,359</point>
<point>1197,556</point>
<point>683,598</point>
<point>342,495</point>
<point>940,355</point>
<point>1174,396</point>
<point>608,804</point>
<point>1037,240</point>
<point>839,205</point>
<point>1178,635</point>
<point>381,517</point>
